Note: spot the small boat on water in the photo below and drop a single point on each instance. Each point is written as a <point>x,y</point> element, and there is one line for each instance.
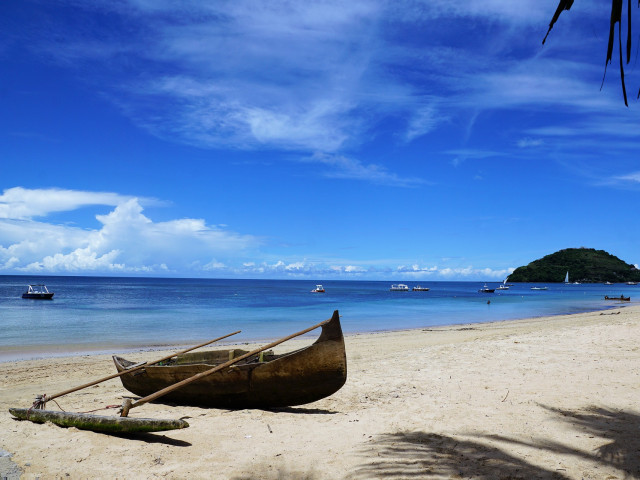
<point>539,288</point>
<point>486,289</point>
<point>608,283</point>
<point>401,287</point>
<point>318,289</point>
<point>621,298</point>
<point>503,285</point>
<point>418,288</point>
<point>632,283</point>
<point>38,292</point>
<point>261,380</point>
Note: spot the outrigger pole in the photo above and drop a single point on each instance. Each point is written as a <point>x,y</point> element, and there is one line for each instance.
<point>41,400</point>
<point>128,404</point>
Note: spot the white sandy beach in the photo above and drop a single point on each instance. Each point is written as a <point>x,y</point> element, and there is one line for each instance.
<point>549,398</point>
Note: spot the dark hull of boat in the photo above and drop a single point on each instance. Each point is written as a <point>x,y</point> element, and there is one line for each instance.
<point>38,296</point>
<point>294,378</point>
<point>620,299</point>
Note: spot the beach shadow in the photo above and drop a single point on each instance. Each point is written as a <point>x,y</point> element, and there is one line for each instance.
<point>620,429</point>
<point>152,438</point>
<point>429,455</point>
<point>263,472</point>
<point>301,410</point>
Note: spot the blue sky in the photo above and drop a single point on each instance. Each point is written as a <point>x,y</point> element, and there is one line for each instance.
<point>410,140</point>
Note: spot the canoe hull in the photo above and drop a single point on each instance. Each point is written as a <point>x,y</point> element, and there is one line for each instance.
<point>296,378</point>
<point>98,423</point>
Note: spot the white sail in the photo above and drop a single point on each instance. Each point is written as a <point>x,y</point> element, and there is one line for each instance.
<point>566,278</point>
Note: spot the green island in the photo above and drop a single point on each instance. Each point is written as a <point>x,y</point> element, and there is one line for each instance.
<point>585,265</point>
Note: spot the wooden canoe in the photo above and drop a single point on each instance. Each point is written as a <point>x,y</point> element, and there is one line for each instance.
<point>264,380</point>
<point>98,423</point>
<point>621,298</point>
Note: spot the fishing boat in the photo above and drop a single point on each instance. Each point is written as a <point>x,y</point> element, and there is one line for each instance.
<point>621,298</point>
<point>318,289</point>
<point>38,292</point>
<point>401,287</point>
<point>418,288</point>
<point>264,380</point>
<point>486,289</point>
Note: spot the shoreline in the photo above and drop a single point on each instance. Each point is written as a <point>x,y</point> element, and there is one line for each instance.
<point>544,397</point>
<point>38,352</point>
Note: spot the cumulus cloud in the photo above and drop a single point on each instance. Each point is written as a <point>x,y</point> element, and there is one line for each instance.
<point>128,241</point>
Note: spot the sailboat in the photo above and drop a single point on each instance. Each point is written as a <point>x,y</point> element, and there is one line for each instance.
<point>504,285</point>
<point>566,277</point>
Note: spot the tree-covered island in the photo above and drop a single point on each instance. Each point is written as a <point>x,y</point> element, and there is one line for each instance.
<point>585,265</point>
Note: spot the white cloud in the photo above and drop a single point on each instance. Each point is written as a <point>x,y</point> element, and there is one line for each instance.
<point>475,273</point>
<point>462,155</point>
<point>80,260</point>
<point>214,265</point>
<point>127,241</point>
<point>323,77</point>
<point>23,203</point>
<point>344,167</point>
<point>354,269</point>
<point>423,121</point>
<point>530,142</point>
<point>631,177</point>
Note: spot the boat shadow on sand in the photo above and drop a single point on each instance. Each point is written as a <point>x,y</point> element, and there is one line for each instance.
<point>431,455</point>
<point>300,410</point>
<point>152,438</point>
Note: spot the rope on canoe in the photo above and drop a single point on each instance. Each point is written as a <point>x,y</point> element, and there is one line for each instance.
<point>58,405</point>
<point>103,408</point>
<point>40,403</point>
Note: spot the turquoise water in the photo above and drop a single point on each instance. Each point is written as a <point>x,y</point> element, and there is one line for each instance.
<point>103,314</point>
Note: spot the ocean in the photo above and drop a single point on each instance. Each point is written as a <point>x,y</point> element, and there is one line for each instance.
<point>111,315</point>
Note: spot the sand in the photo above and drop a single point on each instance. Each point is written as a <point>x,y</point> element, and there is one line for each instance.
<point>548,398</point>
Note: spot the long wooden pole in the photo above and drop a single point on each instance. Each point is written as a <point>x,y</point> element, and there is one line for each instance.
<point>137,367</point>
<point>128,405</point>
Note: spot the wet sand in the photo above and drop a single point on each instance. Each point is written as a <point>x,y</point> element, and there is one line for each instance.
<point>553,397</point>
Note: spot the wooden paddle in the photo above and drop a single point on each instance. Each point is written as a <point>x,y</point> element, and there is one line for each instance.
<point>41,400</point>
<point>128,404</point>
